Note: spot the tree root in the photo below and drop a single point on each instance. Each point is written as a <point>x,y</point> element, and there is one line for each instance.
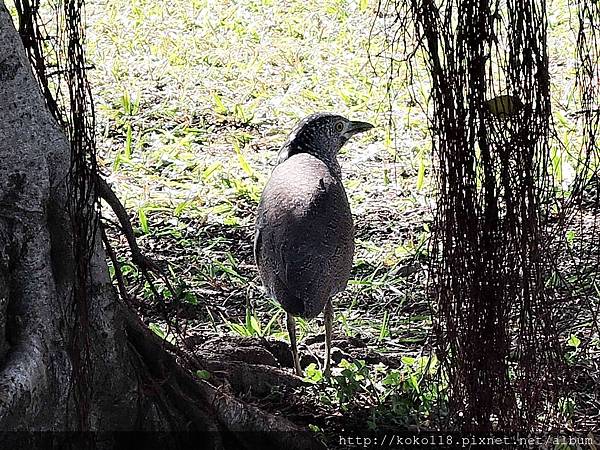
<point>246,424</point>
<point>107,194</point>
<point>144,263</point>
<point>256,379</point>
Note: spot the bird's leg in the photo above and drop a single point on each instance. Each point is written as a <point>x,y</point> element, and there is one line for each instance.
<point>291,326</point>
<point>328,314</point>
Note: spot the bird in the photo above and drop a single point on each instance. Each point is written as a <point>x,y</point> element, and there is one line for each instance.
<point>304,232</point>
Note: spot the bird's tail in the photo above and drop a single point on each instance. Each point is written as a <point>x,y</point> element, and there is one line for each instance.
<point>293,304</point>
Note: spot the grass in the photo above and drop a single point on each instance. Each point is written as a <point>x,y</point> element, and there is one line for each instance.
<point>193,100</point>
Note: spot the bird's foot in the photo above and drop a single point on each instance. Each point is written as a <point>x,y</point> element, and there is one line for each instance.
<point>327,369</point>
<point>298,371</point>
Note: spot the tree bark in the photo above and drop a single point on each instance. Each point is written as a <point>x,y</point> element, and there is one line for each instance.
<point>37,267</point>
<point>136,383</point>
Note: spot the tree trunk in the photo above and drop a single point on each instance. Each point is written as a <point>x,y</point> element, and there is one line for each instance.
<point>134,383</point>
<point>37,268</point>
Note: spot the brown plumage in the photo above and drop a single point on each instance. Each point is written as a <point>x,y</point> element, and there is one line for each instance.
<point>304,241</point>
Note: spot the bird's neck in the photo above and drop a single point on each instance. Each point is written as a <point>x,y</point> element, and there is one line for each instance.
<point>329,158</point>
<point>333,165</point>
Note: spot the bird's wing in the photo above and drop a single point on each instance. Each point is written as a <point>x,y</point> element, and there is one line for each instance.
<point>304,237</point>
<point>257,244</point>
<point>317,256</point>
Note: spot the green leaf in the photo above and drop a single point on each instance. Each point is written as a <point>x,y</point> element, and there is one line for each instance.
<point>408,361</point>
<point>414,383</point>
<point>128,139</point>
<point>394,378</point>
<point>255,325</point>
<point>386,177</point>
<point>143,221</point>
<point>190,298</point>
<point>570,236</point>
<point>117,162</point>
<point>421,173</point>
<point>384,330</point>
<point>574,341</point>
<point>313,374</point>
<point>126,102</point>
<point>566,405</point>
<point>220,107</point>
<point>222,208</point>
<point>203,374</point>
<point>270,323</point>
<point>231,221</point>
<point>210,169</point>
<point>562,119</point>
<point>238,329</point>
<point>242,160</point>
<point>157,330</point>
<point>252,324</point>
<point>180,208</point>
<point>239,113</point>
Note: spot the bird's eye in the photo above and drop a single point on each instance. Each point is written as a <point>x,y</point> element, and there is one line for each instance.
<point>339,126</point>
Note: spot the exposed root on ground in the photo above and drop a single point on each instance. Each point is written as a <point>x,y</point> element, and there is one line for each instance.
<point>181,395</point>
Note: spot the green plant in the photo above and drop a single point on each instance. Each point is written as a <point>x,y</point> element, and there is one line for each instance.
<point>129,108</point>
<point>573,343</point>
<point>312,373</point>
<point>421,172</point>
<point>398,395</point>
<point>384,330</point>
<point>252,325</point>
<point>203,374</point>
<point>160,332</point>
<point>566,405</point>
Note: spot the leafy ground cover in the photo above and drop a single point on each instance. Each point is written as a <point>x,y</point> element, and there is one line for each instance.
<point>193,100</point>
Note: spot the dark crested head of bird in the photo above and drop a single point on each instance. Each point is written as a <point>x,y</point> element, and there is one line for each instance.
<point>321,135</point>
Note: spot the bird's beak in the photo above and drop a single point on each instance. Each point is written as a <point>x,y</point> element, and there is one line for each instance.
<point>355,127</point>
